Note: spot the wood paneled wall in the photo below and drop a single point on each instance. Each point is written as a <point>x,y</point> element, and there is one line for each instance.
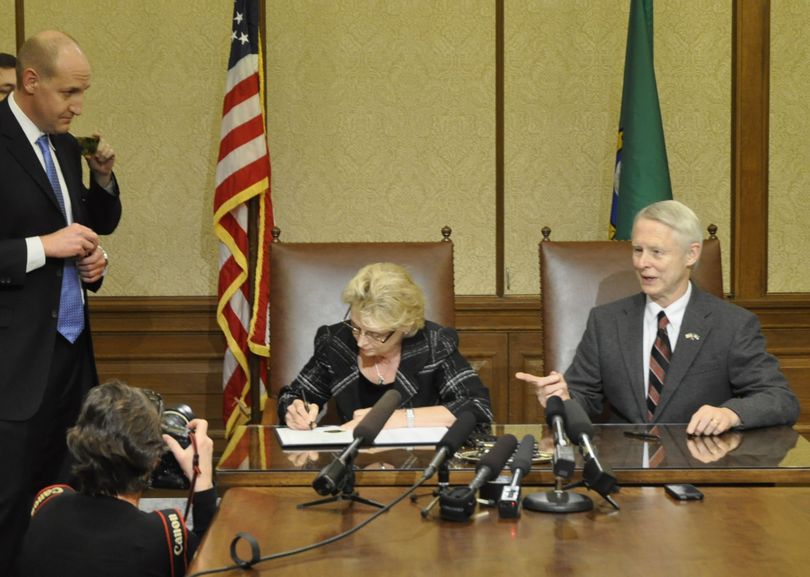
<point>174,346</point>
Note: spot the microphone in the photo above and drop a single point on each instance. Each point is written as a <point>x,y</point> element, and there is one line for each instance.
<point>560,500</point>
<point>459,503</point>
<point>450,442</point>
<point>374,421</point>
<point>563,460</point>
<point>332,477</point>
<point>491,464</point>
<point>509,503</point>
<point>594,475</point>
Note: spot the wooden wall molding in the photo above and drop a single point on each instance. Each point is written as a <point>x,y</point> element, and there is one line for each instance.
<point>750,94</point>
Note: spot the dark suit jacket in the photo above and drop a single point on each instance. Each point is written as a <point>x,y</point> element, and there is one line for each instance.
<point>29,301</point>
<point>431,372</point>
<point>724,364</point>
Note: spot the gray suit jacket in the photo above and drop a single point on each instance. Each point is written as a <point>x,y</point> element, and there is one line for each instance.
<point>726,365</point>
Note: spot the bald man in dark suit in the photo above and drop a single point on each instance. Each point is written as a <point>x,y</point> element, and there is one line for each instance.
<point>49,257</point>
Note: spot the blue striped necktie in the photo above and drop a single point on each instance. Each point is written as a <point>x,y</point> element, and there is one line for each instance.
<point>71,308</point>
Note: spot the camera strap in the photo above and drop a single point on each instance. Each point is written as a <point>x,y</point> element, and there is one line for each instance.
<point>195,463</point>
<point>49,493</point>
<point>176,534</point>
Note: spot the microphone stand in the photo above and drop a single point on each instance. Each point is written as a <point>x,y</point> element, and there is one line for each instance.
<point>345,492</point>
<point>443,484</point>
<point>601,481</point>
<point>558,501</point>
<point>585,483</point>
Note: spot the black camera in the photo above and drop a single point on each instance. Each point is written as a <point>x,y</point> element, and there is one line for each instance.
<point>174,422</point>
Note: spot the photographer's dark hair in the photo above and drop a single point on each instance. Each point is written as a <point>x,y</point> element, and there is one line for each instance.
<point>116,442</point>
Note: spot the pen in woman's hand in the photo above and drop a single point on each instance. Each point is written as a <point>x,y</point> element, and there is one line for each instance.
<point>312,424</point>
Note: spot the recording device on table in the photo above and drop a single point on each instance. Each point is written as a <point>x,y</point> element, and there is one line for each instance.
<point>509,502</point>
<point>458,503</point>
<point>452,440</point>
<point>337,478</point>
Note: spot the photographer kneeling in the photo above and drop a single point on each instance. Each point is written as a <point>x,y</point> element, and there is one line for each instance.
<point>99,530</point>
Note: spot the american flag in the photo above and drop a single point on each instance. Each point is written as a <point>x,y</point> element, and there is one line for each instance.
<point>243,173</point>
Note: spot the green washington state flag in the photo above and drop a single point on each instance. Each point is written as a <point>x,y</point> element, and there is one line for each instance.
<point>642,175</point>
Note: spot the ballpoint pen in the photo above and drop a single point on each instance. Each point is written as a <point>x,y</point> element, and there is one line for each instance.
<point>643,436</point>
<point>312,424</point>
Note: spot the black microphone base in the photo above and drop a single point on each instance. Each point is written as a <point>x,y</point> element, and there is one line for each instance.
<point>352,497</point>
<point>457,504</point>
<point>557,502</point>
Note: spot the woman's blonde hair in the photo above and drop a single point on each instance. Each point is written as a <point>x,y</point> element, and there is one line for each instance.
<point>383,294</point>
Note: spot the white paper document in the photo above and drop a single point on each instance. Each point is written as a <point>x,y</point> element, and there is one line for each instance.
<point>333,435</point>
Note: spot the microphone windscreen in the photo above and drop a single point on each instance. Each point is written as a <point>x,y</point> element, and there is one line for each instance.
<point>523,457</point>
<point>497,456</point>
<point>554,408</point>
<point>577,422</point>
<point>458,432</point>
<point>371,425</point>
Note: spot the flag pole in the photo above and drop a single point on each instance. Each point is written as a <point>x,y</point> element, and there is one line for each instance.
<point>253,243</point>
<point>243,219</point>
<point>253,358</point>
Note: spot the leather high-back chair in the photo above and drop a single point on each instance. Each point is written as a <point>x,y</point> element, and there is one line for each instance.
<point>577,276</point>
<point>307,281</point>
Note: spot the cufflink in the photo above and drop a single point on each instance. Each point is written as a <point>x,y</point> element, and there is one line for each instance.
<point>106,260</point>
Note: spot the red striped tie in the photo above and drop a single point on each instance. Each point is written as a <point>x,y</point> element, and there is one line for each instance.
<point>659,365</point>
<point>660,453</point>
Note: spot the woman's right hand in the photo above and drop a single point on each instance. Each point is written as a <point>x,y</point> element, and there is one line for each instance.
<point>185,456</point>
<point>298,417</point>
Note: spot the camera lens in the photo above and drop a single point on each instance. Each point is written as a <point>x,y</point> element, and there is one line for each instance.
<point>175,419</point>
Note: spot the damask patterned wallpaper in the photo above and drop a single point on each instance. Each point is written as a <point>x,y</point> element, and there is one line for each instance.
<point>381,123</point>
<point>789,155</point>
<point>8,39</point>
<point>158,80</point>
<point>564,71</point>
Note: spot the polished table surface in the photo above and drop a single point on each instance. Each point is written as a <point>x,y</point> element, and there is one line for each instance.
<point>741,531</point>
<point>771,455</point>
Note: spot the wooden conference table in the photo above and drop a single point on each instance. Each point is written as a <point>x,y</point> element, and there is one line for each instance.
<point>254,458</point>
<point>749,527</point>
<point>742,531</point>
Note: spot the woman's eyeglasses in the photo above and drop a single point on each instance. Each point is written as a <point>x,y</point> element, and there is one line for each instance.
<point>358,332</point>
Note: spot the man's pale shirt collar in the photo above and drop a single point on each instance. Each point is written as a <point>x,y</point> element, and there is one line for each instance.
<point>674,312</point>
<point>32,132</point>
